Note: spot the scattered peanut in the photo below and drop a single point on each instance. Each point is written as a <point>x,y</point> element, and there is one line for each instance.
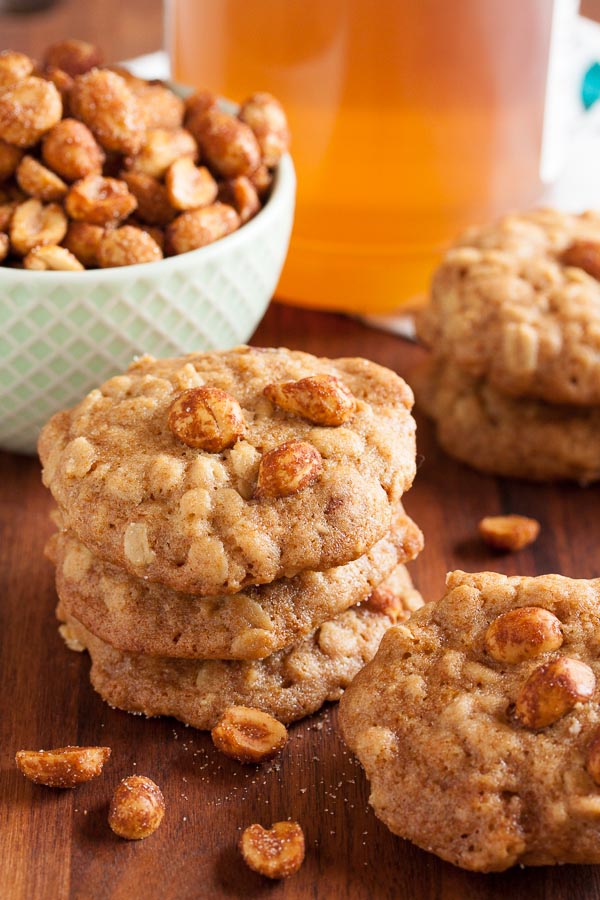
<point>287,469</point>
<point>52,258</point>
<point>523,633</point>
<point>383,600</point>
<point>127,246</point>
<point>137,808</point>
<point>100,200</point>
<point>189,186</point>
<point>64,767</point>
<point>509,532</point>
<point>200,227</point>
<point>248,735</point>
<point>323,399</point>
<point>552,690</point>
<point>583,255</point>
<point>207,418</point>
<point>276,852</point>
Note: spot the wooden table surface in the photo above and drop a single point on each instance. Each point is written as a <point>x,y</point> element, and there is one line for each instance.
<point>56,845</point>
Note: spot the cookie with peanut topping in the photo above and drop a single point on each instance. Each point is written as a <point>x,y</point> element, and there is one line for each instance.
<point>288,685</point>
<point>183,472</point>
<point>144,617</point>
<point>518,303</point>
<point>478,722</point>
<point>516,438</point>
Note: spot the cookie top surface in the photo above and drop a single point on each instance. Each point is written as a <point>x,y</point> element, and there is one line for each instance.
<point>481,743</point>
<point>212,522</point>
<point>289,684</point>
<point>502,435</point>
<point>511,302</point>
<point>144,617</point>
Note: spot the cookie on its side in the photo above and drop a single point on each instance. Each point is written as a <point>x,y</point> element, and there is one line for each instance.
<point>290,684</point>
<point>518,303</point>
<point>141,617</point>
<point>197,520</point>
<point>478,723</point>
<point>498,434</point>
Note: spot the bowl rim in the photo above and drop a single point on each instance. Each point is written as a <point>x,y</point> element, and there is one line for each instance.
<point>284,181</point>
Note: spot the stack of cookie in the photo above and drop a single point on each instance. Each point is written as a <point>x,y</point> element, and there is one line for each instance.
<point>231,529</point>
<point>514,326</point>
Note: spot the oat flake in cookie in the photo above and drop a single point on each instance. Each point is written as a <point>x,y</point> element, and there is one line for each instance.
<point>478,723</point>
<point>518,303</point>
<point>193,519</point>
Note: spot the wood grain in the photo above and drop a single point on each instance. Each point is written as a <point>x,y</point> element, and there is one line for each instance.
<point>57,846</point>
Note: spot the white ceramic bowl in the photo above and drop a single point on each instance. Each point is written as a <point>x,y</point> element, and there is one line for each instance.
<point>62,333</point>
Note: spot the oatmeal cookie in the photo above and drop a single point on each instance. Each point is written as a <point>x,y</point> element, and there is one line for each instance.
<point>518,303</point>
<point>501,435</point>
<point>289,684</point>
<point>141,617</point>
<point>478,723</point>
<point>280,495</point>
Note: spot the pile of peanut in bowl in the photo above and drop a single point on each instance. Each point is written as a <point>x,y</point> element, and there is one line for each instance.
<point>100,168</point>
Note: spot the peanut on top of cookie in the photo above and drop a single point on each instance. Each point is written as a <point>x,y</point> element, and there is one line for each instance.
<point>478,722</point>
<point>218,470</point>
<point>518,302</point>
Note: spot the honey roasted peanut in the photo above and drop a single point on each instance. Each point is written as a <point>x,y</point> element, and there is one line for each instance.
<point>71,150</point>
<point>207,418</point>
<point>523,633</point>
<point>266,117</point>
<point>161,148</point>
<point>51,258</point>
<point>103,101</point>
<point>583,255</point>
<point>127,246</point>
<point>552,690</point>
<point>73,56</point>
<point>64,767</point>
<point>322,399</point>
<point>4,245</point>
<point>153,204</point>
<point>38,181</point>
<point>241,194</point>
<point>276,852</point>
<point>199,227</point>
<point>14,67</point>
<point>228,144</point>
<point>287,469</point>
<point>28,110</point>
<point>10,157</point>
<point>83,241</point>
<point>34,223</point>
<point>248,735</point>
<point>189,186</point>
<point>137,808</point>
<point>99,200</point>
<point>509,532</point>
